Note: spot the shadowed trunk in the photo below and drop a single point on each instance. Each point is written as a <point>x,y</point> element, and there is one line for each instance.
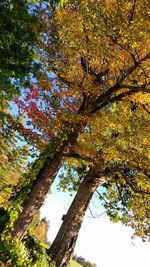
<point>42,185</point>
<point>61,250</point>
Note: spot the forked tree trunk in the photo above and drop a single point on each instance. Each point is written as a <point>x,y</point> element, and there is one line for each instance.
<point>61,250</point>
<point>42,185</point>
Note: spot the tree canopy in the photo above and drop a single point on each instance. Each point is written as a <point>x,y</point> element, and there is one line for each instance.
<point>89,109</point>
<point>96,54</point>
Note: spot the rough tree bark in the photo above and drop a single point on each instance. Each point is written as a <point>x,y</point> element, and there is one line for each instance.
<point>61,250</point>
<point>42,185</point>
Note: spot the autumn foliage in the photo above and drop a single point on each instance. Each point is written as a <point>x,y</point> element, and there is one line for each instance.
<point>89,112</point>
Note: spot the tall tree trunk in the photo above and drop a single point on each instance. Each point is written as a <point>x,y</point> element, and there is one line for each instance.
<point>42,185</point>
<point>61,250</point>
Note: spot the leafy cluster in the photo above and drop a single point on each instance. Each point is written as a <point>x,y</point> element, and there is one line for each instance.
<point>13,157</point>
<point>32,252</point>
<point>127,199</point>
<point>21,191</point>
<point>26,254</point>
<point>17,41</point>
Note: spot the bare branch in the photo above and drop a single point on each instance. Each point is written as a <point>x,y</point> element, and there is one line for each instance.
<point>97,215</point>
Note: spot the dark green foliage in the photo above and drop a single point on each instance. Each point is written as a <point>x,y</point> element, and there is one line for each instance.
<point>34,247</point>
<point>17,41</point>
<point>27,254</point>
<point>4,218</point>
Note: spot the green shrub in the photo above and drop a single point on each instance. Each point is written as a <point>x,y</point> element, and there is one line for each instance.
<point>26,254</point>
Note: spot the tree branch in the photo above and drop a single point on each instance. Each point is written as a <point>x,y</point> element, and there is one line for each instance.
<point>119,192</point>
<point>132,87</point>
<point>78,156</point>
<point>105,97</point>
<point>132,12</point>
<point>135,190</point>
<point>122,95</point>
<point>145,108</point>
<point>95,216</point>
<point>108,204</point>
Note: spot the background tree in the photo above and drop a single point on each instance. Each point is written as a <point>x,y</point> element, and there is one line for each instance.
<point>39,228</point>
<point>13,157</point>
<point>17,45</point>
<point>83,261</point>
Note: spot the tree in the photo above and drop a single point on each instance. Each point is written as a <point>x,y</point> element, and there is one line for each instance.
<point>126,187</point>
<point>18,41</point>
<point>39,228</point>
<point>126,205</point>
<point>69,230</point>
<point>96,57</point>
<point>83,261</point>
<point>38,190</point>
<point>13,158</point>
